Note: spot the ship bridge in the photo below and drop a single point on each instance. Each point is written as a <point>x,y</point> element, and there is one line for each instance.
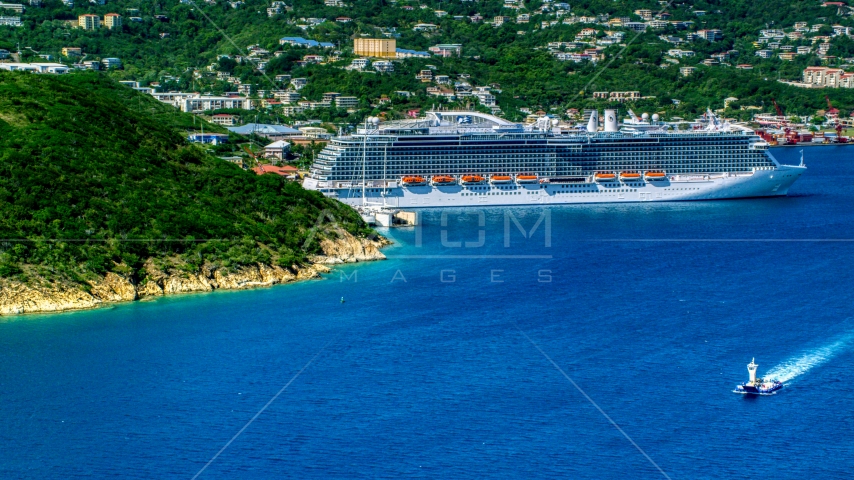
<point>445,122</point>
<point>468,118</point>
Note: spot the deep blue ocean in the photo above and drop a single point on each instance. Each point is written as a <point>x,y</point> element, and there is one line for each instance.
<point>475,351</point>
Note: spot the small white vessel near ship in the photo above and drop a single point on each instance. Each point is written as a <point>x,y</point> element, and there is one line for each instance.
<point>758,386</point>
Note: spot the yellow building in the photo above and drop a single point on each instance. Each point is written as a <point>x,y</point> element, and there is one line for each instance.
<point>375,47</point>
<point>89,22</point>
<point>113,21</point>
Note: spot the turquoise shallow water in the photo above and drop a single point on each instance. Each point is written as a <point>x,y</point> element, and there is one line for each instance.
<point>653,311</point>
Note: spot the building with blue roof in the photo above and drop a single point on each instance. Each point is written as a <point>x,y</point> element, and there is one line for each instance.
<point>266,128</point>
<point>302,42</point>
<point>404,53</point>
<point>212,138</point>
<point>273,132</point>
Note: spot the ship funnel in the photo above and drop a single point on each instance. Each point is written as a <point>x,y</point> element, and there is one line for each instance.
<point>593,123</point>
<point>611,121</point>
<point>751,369</point>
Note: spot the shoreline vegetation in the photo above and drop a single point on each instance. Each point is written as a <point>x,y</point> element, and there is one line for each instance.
<point>19,298</point>
<point>102,200</point>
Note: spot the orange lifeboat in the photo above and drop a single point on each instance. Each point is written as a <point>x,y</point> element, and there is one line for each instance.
<point>500,179</point>
<point>655,175</point>
<point>440,180</point>
<point>630,176</point>
<point>526,178</point>
<point>413,181</point>
<point>605,177</point>
<point>472,179</point>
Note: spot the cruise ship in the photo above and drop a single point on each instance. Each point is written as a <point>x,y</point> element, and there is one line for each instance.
<point>464,158</point>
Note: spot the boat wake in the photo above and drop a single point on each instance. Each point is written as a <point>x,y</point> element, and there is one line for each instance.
<point>797,366</point>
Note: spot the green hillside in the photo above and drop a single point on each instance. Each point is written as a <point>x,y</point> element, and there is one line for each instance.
<point>174,44</point>
<point>95,177</point>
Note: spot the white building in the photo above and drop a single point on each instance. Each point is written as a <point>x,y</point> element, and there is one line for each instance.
<point>819,77</point>
<point>89,65</point>
<point>55,68</point>
<point>176,99</point>
<point>315,132</point>
<point>360,63</point>
<point>424,27</point>
<point>278,149</point>
<point>205,103</point>
<point>299,82</point>
<point>15,7</point>
<point>224,119</point>
<point>710,35</point>
<point>287,97</point>
<point>383,66</point>
<point>346,102</point>
<point>111,62</point>
<point>291,110</point>
<point>10,22</point>
<point>675,52</point>
<point>485,98</point>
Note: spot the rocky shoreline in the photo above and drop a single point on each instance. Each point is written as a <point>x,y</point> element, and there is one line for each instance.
<point>19,298</point>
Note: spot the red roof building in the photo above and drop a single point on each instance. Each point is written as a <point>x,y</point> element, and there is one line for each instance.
<point>284,170</point>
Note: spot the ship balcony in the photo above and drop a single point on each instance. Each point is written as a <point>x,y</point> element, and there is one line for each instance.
<point>350,184</point>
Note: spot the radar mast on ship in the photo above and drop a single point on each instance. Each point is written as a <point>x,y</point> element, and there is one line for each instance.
<point>757,386</point>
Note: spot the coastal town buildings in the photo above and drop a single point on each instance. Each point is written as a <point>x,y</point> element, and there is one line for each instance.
<point>826,77</point>
<point>596,35</point>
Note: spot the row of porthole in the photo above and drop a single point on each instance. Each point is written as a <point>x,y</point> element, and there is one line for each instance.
<point>491,193</point>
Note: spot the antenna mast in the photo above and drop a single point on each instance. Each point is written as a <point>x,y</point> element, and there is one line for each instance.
<point>364,160</point>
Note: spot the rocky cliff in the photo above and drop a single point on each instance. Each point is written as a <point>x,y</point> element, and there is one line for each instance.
<point>33,297</point>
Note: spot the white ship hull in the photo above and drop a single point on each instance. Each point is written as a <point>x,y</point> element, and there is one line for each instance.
<point>763,182</point>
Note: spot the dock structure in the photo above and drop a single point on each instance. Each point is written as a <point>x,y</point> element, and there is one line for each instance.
<point>387,217</point>
<point>409,219</point>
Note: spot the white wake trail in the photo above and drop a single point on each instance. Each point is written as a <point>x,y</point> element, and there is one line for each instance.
<point>795,367</point>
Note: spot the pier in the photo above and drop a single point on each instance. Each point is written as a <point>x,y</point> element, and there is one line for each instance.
<point>386,217</point>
